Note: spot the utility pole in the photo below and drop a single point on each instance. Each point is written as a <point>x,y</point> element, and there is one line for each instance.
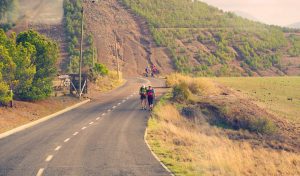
<point>81,48</point>
<point>81,53</point>
<point>94,54</point>
<point>117,55</point>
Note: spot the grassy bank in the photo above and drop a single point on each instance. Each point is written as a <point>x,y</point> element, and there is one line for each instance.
<point>190,141</point>
<point>108,82</point>
<point>279,95</point>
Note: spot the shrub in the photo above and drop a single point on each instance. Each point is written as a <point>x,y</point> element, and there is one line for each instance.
<point>181,92</point>
<point>262,125</point>
<point>5,96</point>
<point>101,69</point>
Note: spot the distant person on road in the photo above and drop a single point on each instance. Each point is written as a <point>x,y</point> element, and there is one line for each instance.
<point>148,71</point>
<point>154,70</point>
<point>150,96</point>
<point>143,95</point>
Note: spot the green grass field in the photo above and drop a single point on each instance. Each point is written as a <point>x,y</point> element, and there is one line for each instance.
<point>278,95</point>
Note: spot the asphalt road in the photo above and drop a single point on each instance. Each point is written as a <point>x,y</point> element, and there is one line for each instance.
<point>103,137</point>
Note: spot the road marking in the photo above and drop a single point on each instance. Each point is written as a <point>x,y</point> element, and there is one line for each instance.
<point>123,101</point>
<point>83,128</point>
<point>40,172</point>
<point>109,110</point>
<point>75,133</point>
<point>91,123</point>
<point>127,98</point>
<point>119,104</point>
<point>114,107</point>
<point>66,140</point>
<point>97,118</point>
<point>57,148</point>
<point>49,158</point>
<point>131,95</point>
<point>103,114</point>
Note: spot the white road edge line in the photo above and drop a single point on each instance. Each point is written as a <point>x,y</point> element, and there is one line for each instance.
<point>83,128</point>
<point>66,140</point>
<point>49,158</point>
<point>28,125</point>
<point>40,172</point>
<point>57,148</point>
<point>74,134</point>
<point>155,156</point>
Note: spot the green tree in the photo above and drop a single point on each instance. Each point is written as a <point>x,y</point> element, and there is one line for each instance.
<point>45,58</point>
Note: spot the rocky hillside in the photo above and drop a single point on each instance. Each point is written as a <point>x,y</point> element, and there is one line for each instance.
<point>108,20</point>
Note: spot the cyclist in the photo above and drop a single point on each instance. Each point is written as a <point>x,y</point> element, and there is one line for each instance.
<point>150,96</point>
<point>143,93</point>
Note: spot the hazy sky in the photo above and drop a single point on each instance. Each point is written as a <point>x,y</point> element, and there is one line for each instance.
<point>279,12</point>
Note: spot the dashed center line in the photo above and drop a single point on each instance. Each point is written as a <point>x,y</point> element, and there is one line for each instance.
<point>109,110</point>
<point>103,114</point>
<point>57,148</point>
<point>49,158</point>
<point>123,101</point>
<point>40,172</point>
<point>83,128</point>
<point>66,140</point>
<point>114,107</point>
<point>98,118</point>
<point>75,133</point>
<point>119,104</point>
<point>91,123</point>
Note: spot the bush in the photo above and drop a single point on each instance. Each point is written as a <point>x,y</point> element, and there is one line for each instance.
<point>5,96</point>
<point>262,125</point>
<point>181,92</point>
<point>101,69</point>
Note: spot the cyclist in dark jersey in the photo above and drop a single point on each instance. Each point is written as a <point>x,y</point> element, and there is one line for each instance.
<point>143,94</point>
<point>150,96</point>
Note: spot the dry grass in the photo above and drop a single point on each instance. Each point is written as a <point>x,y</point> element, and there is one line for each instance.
<point>199,86</point>
<point>109,82</point>
<point>189,149</point>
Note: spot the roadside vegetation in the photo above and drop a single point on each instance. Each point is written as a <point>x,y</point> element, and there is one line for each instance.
<point>208,42</point>
<point>203,127</point>
<point>27,66</point>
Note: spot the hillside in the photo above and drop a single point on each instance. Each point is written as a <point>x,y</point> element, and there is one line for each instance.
<point>204,40</point>
<point>135,44</point>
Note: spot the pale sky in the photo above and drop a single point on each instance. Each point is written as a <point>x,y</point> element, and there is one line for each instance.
<point>278,12</point>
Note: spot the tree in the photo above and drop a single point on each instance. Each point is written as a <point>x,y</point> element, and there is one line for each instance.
<point>5,96</point>
<point>45,58</point>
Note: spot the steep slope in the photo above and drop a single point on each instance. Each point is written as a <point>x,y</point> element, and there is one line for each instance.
<point>204,40</point>
<point>136,47</point>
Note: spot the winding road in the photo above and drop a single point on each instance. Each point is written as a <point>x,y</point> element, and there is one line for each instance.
<point>103,137</point>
